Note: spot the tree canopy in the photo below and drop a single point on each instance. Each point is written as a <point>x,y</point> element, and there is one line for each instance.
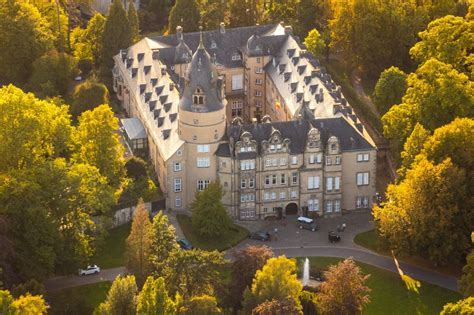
<point>88,95</point>
<point>121,298</point>
<point>164,243</point>
<point>390,88</point>
<point>184,13</point>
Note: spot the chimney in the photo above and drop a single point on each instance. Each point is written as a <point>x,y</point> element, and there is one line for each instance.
<point>222,28</point>
<point>288,30</point>
<point>179,32</point>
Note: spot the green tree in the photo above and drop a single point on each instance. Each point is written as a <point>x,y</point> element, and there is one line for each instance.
<point>117,35</point>
<point>449,39</point>
<point>154,15</point>
<point>423,213</point>
<point>270,307</point>
<point>466,283</point>
<point>88,95</point>
<point>121,298</point>
<point>154,299</point>
<point>210,218</point>
<point>194,272</point>
<point>344,291</point>
<point>184,13</point>
<point>95,141</point>
<point>87,43</point>
<point>52,74</point>
<point>244,12</point>
<point>462,307</point>
<point>132,17</point>
<point>245,264</point>
<point>277,280</point>
<point>139,244</point>
<point>283,10</point>
<point>306,15</point>
<point>136,168</point>
<point>390,88</point>
<point>164,243</point>
<point>32,130</point>
<point>413,146</point>
<point>200,305</point>
<point>24,37</point>
<point>25,304</point>
<point>314,42</point>
<point>213,12</point>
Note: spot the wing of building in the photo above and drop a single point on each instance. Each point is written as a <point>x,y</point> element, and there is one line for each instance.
<point>249,107</point>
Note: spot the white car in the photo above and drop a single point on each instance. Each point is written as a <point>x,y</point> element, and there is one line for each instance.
<point>90,270</point>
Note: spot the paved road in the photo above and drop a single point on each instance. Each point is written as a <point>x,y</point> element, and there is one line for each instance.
<point>294,242</point>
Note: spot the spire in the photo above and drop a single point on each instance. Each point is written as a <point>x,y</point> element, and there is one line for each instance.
<point>201,42</point>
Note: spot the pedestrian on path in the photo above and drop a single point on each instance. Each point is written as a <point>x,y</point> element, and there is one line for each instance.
<point>276,234</point>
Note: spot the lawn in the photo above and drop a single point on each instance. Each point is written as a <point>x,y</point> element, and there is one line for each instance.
<point>112,253</point>
<point>389,294</point>
<point>234,236</point>
<point>79,300</point>
<point>371,240</point>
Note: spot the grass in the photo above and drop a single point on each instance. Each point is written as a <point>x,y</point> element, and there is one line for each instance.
<point>234,236</point>
<point>389,293</point>
<point>79,300</point>
<point>371,240</point>
<point>112,253</point>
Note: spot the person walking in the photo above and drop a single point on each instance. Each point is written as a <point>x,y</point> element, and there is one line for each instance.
<point>276,234</point>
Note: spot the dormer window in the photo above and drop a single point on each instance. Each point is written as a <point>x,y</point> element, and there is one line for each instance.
<point>198,97</point>
<point>213,45</point>
<point>236,56</point>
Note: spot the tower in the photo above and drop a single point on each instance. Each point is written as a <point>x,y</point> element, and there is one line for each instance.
<point>202,103</point>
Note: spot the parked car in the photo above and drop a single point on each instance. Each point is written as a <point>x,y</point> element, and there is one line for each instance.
<point>334,237</point>
<point>90,270</point>
<point>307,223</point>
<point>185,244</point>
<point>260,236</point>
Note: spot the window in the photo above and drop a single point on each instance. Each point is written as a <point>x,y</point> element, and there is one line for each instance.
<point>267,196</point>
<point>328,160</point>
<point>362,179</point>
<point>243,183</point>
<point>329,183</point>
<point>203,162</point>
<point>258,70</point>
<point>198,97</point>
<point>203,148</point>
<point>177,202</point>
<point>236,56</point>
<point>258,81</point>
<point>313,205</point>
<point>237,107</point>
<point>362,202</point>
<point>338,160</point>
<point>258,103</point>
<point>311,159</point>
<point>273,196</point>
<point>251,183</point>
<point>274,162</point>
<point>177,185</point>
<point>237,82</point>
<point>267,180</point>
<point>337,183</point>
<point>179,153</point>
<point>282,161</point>
<point>294,160</point>
<point>313,182</point>
<point>202,184</point>
<point>268,162</point>
<point>283,179</point>
<point>223,164</point>
<point>294,194</point>
<point>274,179</point>
<point>329,206</point>
<point>363,157</point>
<point>243,198</point>
<point>177,166</point>
<point>294,178</point>
<point>247,165</point>
<point>258,93</point>
<point>282,195</point>
<point>318,158</point>
<point>258,59</point>
<point>337,205</point>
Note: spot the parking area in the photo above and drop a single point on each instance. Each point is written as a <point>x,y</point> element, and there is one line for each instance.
<point>290,236</point>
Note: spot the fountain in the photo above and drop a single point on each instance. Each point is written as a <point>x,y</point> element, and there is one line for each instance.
<point>306,281</point>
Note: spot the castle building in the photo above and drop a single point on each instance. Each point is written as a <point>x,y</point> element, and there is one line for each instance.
<point>251,108</point>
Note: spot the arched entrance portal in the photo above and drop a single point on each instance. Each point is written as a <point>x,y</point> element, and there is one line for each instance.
<point>291,209</point>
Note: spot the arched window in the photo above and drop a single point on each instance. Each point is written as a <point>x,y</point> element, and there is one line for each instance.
<point>198,97</point>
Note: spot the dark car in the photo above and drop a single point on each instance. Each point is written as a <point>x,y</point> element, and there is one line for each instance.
<point>334,237</point>
<point>185,244</point>
<point>260,236</point>
<point>307,223</point>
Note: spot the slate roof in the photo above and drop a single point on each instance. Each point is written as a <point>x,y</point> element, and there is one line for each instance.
<point>269,38</point>
<point>133,128</point>
<point>223,150</point>
<point>297,130</point>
